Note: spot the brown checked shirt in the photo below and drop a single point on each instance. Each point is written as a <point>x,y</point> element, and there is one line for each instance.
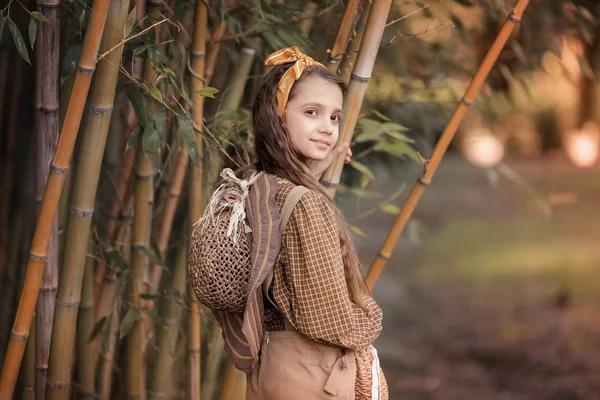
<point>309,284</point>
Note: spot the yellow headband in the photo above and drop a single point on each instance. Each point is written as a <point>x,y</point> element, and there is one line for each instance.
<point>287,55</point>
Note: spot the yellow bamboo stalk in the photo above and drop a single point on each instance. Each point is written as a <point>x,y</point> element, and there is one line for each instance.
<point>432,164</point>
<point>29,367</point>
<point>93,140</point>
<point>87,354</point>
<point>352,52</point>
<point>213,51</point>
<point>198,54</point>
<point>308,19</point>
<point>162,375</point>
<point>135,384</point>
<point>60,164</point>
<point>341,39</point>
<point>358,86</point>
<point>214,361</point>
<point>46,121</point>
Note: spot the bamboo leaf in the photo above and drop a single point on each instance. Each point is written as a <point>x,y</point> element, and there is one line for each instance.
<point>69,61</point>
<point>32,30</point>
<point>129,320</point>
<point>116,257</point>
<point>208,92</point>
<point>97,329</point>
<point>152,257</point>
<point>189,140</point>
<point>140,49</point>
<point>133,138</point>
<point>380,115</point>
<point>358,231</point>
<point>39,16</point>
<point>390,209</point>
<point>398,148</point>
<point>139,105</point>
<point>160,123</point>
<point>363,169</point>
<point>151,143</point>
<point>131,19</point>
<point>154,91</point>
<point>394,127</point>
<point>367,194</point>
<point>19,42</point>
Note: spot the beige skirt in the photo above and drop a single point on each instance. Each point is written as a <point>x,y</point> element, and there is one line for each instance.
<point>293,367</point>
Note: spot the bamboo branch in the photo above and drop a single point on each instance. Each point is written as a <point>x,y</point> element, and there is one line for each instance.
<point>432,164</point>
<point>341,40</point>
<point>54,186</point>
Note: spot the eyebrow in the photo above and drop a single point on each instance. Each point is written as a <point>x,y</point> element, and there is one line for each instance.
<point>319,105</point>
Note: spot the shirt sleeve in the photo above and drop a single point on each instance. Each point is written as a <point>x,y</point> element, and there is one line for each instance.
<point>321,307</point>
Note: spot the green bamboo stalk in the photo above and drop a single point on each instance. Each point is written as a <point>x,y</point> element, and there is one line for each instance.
<point>358,85</point>
<point>198,54</point>
<point>94,132</point>
<point>87,353</point>
<point>46,123</point>
<point>341,40</point>
<point>352,52</point>
<point>168,333</point>
<point>54,186</point>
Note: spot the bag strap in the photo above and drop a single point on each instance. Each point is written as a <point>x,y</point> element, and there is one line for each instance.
<point>291,200</point>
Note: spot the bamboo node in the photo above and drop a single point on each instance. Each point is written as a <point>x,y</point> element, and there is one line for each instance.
<point>513,17</point>
<point>17,336</point>
<point>99,110</point>
<point>156,394</point>
<point>58,170</point>
<point>195,55</point>
<point>359,78</point>
<point>65,304</point>
<point>194,73</point>
<point>58,385</point>
<point>143,177</point>
<point>80,213</point>
<point>466,102</point>
<point>424,181</point>
<point>39,258</point>
<point>381,255</point>
<point>84,70</point>
<point>28,388</point>
<point>47,290</point>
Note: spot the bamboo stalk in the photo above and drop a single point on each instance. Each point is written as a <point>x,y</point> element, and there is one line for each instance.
<point>213,51</point>
<point>3,82</point>
<point>341,40</point>
<point>46,123</point>
<point>60,164</point>
<point>352,52</point>
<point>198,54</point>
<point>87,354</point>
<point>214,360</point>
<point>118,206</point>
<point>234,384</point>
<point>358,86</point>
<point>93,140</point>
<point>139,261</point>
<point>432,164</point>
<point>29,367</point>
<point>113,305</point>
<point>167,336</point>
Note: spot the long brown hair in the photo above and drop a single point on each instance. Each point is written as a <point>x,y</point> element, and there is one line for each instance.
<point>276,155</point>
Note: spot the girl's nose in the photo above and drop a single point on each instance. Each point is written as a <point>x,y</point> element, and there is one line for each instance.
<point>326,126</point>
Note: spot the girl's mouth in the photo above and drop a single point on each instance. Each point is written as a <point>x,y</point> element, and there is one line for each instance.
<point>321,143</point>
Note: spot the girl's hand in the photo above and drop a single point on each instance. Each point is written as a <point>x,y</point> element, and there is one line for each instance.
<point>317,168</point>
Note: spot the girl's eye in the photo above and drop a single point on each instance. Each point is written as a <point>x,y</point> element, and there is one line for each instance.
<point>336,118</point>
<point>311,112</point>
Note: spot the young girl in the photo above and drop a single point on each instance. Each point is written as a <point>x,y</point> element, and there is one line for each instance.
<point>322,313</point>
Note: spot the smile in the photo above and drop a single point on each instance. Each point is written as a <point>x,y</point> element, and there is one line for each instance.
<point>321,143</point>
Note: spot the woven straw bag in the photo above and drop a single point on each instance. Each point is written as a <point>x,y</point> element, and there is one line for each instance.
<point>220,248</point>
<point>364,377</point>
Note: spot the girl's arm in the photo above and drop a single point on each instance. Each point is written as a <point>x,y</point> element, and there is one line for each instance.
<point>319,300</point>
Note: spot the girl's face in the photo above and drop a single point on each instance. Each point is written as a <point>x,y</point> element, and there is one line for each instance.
<point>312,117</point>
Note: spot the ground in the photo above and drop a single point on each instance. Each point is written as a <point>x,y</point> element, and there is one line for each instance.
<point>498,298</point>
